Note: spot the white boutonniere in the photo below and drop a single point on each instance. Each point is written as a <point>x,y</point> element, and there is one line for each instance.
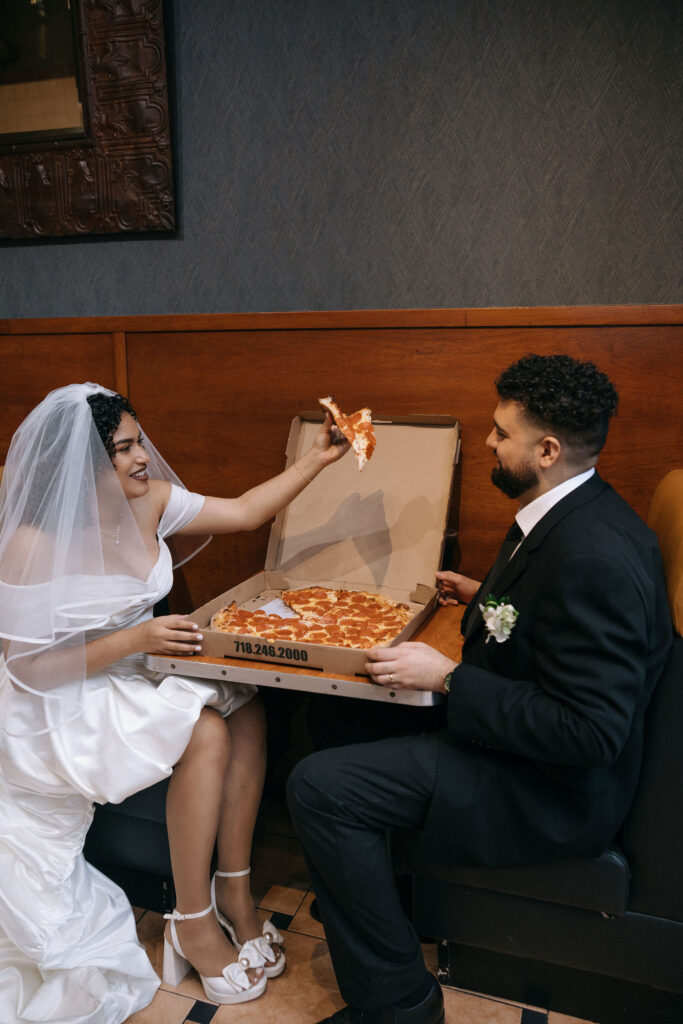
<point>500,618</point>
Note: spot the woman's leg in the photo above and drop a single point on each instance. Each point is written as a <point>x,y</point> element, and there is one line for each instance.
<point>241,799</point>
<point>193,811</point>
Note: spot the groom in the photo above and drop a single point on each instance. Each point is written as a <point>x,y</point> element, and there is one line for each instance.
<point>542,749</point>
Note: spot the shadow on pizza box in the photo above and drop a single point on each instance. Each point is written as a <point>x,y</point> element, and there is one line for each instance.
<point>382,530</point>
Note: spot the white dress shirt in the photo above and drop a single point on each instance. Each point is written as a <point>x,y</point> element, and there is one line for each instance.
<point>530,514</point>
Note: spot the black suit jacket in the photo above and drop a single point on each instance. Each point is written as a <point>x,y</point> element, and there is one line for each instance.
<point>543,747</point>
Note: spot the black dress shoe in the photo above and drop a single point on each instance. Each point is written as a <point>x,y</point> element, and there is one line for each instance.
<point>429,1011</point>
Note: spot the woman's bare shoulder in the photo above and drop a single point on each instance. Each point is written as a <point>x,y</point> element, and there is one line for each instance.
<point>159,494</point>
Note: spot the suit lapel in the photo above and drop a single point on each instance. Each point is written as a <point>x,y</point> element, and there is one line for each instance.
<point>473,619</point>
<point>579,496</point>
<point>513,569</point>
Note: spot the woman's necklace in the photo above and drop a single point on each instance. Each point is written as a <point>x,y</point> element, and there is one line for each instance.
<point>114,534</point>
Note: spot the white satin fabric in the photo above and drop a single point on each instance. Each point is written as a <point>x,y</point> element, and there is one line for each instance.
<point>68,945</point>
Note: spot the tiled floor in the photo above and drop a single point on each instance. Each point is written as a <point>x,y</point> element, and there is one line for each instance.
<point>307,990</point>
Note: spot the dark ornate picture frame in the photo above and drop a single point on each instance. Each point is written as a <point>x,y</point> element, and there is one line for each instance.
<point>118,177</point>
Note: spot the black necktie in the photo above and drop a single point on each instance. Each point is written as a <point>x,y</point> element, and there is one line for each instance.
<point>512,539</point>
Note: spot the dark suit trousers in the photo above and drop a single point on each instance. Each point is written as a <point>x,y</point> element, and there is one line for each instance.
<point>343,803</point>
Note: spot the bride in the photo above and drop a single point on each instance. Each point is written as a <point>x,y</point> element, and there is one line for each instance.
<point>92,521</point>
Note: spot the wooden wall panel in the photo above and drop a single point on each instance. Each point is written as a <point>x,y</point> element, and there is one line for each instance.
<point>220,404</point>
<point>217,393</point>
<point>31,365</point>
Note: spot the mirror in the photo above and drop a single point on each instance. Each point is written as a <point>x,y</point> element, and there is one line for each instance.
<point>85,144</point>
<point>39,93</point>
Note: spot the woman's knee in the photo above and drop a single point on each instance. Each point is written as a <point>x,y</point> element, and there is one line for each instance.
<point>248,723</point>
<point>210,736</point>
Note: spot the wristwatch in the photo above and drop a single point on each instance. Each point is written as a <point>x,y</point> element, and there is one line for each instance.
<point>447,680</point>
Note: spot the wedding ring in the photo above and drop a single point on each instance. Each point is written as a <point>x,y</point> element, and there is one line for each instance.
<point>391,679</point>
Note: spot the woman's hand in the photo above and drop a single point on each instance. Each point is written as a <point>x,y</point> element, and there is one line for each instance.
<point>455,588</point>
<point>329,444</point>
<point>169,634</point>
<point>409,666</point>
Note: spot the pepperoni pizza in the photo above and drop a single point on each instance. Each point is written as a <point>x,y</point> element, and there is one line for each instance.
<point>340,618</point>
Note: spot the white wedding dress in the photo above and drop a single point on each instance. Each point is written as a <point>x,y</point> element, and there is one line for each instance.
<point>68,945</point>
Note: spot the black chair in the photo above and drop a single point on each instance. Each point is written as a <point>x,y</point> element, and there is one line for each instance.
<point>602,938</point>
<point>128,841</point>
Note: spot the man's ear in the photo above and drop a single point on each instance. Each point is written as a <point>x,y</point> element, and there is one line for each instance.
<point>551,450</point>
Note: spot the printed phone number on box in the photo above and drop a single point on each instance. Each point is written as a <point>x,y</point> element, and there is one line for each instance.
<point>270,651</point>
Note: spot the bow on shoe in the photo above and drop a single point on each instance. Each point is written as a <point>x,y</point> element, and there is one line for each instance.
<point>268,938</point>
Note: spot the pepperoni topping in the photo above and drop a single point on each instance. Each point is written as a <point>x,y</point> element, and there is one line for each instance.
<point>339,618</point>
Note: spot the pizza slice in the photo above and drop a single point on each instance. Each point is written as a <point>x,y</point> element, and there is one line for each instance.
<point>356,428</point>
<point>310,602</point>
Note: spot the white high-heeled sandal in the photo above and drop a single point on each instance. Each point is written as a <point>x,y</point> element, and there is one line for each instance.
<point>263,943</point>
<point>231,986</point>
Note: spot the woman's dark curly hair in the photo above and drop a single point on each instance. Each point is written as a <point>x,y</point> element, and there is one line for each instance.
<point>574,399</point>
<point>106,412</point>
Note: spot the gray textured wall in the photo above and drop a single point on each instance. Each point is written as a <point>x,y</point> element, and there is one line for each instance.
<point>396,153</point>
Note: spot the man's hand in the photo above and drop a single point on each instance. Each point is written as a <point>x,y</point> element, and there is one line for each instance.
<point>409,666</point>
<point>169,634</point>
<point>455,588</point>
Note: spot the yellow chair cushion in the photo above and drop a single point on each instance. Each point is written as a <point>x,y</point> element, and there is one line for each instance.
<point>666,519</point>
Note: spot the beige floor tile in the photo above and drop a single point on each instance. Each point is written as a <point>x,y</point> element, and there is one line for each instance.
<point>306,992</point>
<point>151,934</point>
<point>304,923</point>
<point>165,1008</point>
<point>464,1008</point>
<point>190,987</point>
<point>282,898</point>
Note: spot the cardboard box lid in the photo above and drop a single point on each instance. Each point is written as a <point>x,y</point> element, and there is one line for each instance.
<point>382,528</point>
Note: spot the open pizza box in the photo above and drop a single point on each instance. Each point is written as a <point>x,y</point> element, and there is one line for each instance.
<point>381,530</point>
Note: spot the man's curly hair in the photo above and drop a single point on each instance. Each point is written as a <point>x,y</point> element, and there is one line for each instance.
<point>106,412</point>
<point>573,399</point>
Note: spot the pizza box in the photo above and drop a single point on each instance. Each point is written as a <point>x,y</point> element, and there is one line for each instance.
<point>382,530</point>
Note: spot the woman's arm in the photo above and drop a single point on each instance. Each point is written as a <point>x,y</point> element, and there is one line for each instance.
<point>261,503</point>
<point>166,634</point>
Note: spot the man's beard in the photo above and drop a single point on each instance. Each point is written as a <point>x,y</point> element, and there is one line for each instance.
<point>514,482</point>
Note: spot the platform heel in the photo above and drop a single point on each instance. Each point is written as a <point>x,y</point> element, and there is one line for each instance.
<point>231,986</point>
<point>175,966</point>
